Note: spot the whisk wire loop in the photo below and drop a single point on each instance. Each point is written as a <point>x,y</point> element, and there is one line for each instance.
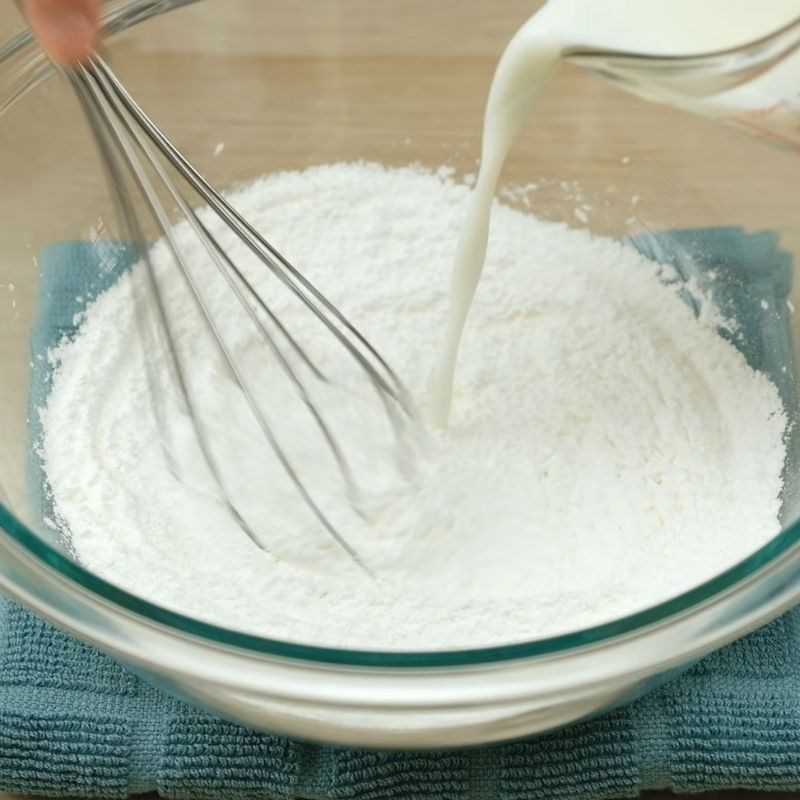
<point>129,143</point>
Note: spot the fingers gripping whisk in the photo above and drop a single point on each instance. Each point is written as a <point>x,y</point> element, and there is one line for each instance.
<point>140,162</point>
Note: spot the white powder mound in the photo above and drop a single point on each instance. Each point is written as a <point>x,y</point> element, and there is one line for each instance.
<point>606,450</point>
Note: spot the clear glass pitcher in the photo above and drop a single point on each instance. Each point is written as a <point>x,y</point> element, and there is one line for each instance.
<point>755,86</point>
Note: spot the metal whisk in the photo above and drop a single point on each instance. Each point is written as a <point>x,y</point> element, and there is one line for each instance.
<point>132,148</point>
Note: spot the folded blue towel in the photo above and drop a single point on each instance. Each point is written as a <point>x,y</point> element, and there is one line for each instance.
<point>74,722</point>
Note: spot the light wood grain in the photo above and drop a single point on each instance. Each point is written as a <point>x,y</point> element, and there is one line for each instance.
<point>358,28</point>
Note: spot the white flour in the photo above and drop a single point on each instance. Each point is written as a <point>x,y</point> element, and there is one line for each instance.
<point>606,449</point>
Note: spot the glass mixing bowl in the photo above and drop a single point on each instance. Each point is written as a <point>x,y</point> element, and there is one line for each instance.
<point>283,85</point>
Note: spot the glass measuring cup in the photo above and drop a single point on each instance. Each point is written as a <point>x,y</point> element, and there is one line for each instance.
<point>755,86</point>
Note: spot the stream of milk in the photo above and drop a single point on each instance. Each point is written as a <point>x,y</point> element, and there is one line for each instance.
<point>666,28</point>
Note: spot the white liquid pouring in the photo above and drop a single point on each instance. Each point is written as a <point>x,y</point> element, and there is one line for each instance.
<point>652,27</point>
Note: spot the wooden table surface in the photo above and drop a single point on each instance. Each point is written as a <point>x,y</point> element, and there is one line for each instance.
<point>415,68</point>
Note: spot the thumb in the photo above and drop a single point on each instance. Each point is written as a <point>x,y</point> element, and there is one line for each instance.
<point>66,29</point>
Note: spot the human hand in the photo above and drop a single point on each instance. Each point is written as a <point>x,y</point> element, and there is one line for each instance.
<point>66,29</point>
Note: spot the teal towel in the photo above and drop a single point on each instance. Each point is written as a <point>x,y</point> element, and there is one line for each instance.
<point>74,722</point>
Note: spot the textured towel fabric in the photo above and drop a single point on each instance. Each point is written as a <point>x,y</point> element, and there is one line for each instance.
<point>73,722</point>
